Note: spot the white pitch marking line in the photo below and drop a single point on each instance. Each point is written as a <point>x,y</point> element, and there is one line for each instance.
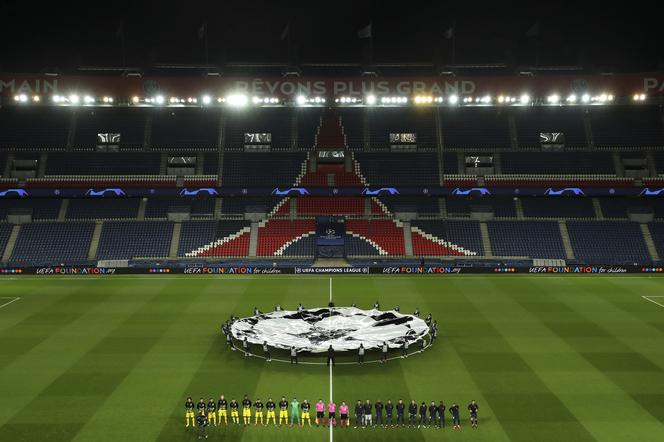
<point>13,299</point>
<point>647,298</point>
<point>330,369</point>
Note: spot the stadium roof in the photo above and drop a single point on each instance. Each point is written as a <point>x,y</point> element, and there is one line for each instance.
<point>246,37</point>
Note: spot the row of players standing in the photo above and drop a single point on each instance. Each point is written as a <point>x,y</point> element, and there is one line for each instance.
<point>432,415</point>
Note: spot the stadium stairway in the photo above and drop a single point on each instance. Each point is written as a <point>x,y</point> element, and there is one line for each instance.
<point>94,242</point>
<point>650,244</point>
<point>175,240</point>
<point>11,242</point>
<point>567,243</point>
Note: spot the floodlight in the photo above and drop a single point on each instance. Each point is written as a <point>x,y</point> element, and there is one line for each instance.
<point>36,98</point>
<point>371,99</point>
<point>74,99</point>
<point>88,99</point>
<point>135,100</point>
<point>553,99</point>
<point>571,98</point>
<point>301,99</point>
<point>453,99</point>
<point>585,98</point>
<point>237,100</point>
<point>159,99</point>
<point>525,99</point>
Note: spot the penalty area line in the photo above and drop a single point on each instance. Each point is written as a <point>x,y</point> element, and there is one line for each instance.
<point>11,299</point>
<point>647,298</point>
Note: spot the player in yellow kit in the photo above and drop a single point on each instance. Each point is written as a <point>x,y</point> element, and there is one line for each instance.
<point>246,410</point>
<point>258,415</point>
<point>283,410</point>
<point>211,411</point>
<point>235,414</point>
<point>222,406</point>
<point>189,412</point>
<point>271,406</point>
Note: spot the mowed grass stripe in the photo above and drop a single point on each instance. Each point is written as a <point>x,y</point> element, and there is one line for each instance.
<point>531,411</point>
<point>34,297</point>
<point>633,371</point>
<point>277,379</point>
<point>73,397</point>
<point>52,313</point>
<point>152,385</point>
<point>28,375</point>
<point>372,381</point>
<point>437,297</point>
<point>217,370</point>
<point>564,371</point>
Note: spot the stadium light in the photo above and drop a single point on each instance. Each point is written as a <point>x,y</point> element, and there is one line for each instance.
<point>486,99</point>
<point>585,98</point>
<point>454,99</point>
<point>571,98</point>
<point>207,99</point>
<point>501,99</point>
<point>639,97</point>
<point>88,99</point>
<point>301,100</point>
<point>553,99</point>
<point>74,99</point>
<point>36,98</point>
<point>525,99</point>
<point>159,99</point>
<point>237,100</point>
<point>135,99</point>
<point>371,99</point>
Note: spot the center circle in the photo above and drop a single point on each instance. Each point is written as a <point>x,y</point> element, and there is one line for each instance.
<point>344,328</point>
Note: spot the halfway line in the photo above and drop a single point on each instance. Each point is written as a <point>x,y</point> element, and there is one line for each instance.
<point>331,431</point>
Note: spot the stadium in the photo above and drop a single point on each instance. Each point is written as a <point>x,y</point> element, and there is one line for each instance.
<point>484,238</point>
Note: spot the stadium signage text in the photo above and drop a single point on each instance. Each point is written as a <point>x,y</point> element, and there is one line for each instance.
<point>577,269</point>
<point>74,271</point>
<point>421,270</point>
<point>125,87</point>
<point>220,270</point>
<point>331,270</point>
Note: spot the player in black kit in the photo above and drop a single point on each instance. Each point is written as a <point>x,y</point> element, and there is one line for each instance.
<point>389,408</point>
<point>412,414</point>
<point>401,407</point>
<point>473,408</point>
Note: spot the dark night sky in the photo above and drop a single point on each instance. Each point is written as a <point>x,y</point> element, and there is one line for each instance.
<point>48,36</point>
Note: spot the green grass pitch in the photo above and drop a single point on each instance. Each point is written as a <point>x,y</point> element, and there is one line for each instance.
<point>547,358</point>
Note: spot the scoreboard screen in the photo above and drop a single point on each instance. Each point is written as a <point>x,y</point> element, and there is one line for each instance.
<point>479,161</point>
<point>403,138</point>
<point>331,156</point>
<point>258,138</point>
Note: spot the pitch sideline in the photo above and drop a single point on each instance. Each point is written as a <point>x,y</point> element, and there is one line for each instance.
<point>13,299</point>
<point>647,298</point>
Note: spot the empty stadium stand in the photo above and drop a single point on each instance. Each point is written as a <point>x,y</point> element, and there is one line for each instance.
<point>464,235</point>
<point>533,239</point>
<point>52,243</point>
<point>214,238</point>
<point>262,169</point>
<point>607,242</point>
<point>130,239</point>
<point>396,169</point>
